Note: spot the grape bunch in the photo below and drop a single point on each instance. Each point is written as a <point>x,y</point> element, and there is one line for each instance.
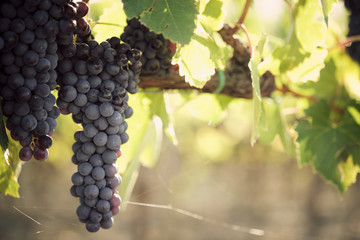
<point>28,59</point>
<point>94,85</point>
<point>354,28</point>
<point>157,54</point>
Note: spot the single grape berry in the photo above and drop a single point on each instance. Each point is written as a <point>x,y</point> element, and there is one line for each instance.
<point>25,153</point>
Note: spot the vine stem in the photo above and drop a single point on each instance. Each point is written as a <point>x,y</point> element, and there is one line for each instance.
<point>285,90</point>
<point>241,19</point>
<point>105,23</point>
<point>347,41</point>
<point>242,26</point>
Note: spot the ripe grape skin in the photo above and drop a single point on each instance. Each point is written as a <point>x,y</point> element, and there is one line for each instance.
<point>68,93</point>
<point>103,206</point>
<point>92,227</point>
<point>77,179</point>
<point>109,157</point>
<point>106,109</point>
<point>25,154</point>
<point>98,173</point>
<point>101,183</point>
<point>113,142</point>
<point>88,148</point>
<point>89,180</point>
<point>96,160</point>
<point>101,123</point>
<point>29,122</point>
<point>40,154</point>
<point>100,139</point>
<point>110,170</point>
<point>83,211</point>
<point>85,168</point>
<point>106,224</point>
<point>95,216</point>
<point>91,202</point>
<point>106,193</point>
<point>92,112</point>
<point>91,191</point>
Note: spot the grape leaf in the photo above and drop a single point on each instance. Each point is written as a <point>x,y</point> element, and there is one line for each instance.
<point>112,15</point>
<point>310,28</point>
<point>197,68</point>
<point>329,146</point>
<point>327,84</point>
<point>9,170</point>
<point>145,139</point>
<point>274,125</point>
<point>257,99</point>
<point>3,137</point>
<point>134,8</point>
<point>212,16</point>
<point>174,19</point>
<point>326,6</point>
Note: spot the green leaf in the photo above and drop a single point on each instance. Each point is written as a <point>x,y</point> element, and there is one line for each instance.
<point>153,137</point>
<point>146,132</point>
<point>329,146</point>
<point>194,60</point>
<point>10,169</point>
<point>174,19</point>
<point>113,15</point>
<point>275,125</point>
<point>310,28</point>
<point>257,99</point>
<point>326,6</point>
<point>3,136</point>
<point>134,8</point>
<point>212,16</point>
<point>327,84</point>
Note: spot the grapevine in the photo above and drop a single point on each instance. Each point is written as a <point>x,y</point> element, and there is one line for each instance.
<point>56,60</point>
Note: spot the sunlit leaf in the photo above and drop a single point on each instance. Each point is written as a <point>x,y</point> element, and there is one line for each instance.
<point>257,99</point>
<point>326,145</point>
<point>310,28</point>
<point>135,8</point>
<point>174,19</point>
<point>212,16</point>
<point>326,6</point>
<point>110,23</point>
<point>10,167</point>
<point>194,60</point>
<point>3,137</point>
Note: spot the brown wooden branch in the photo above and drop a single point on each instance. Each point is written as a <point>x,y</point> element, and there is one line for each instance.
<point>238,87</point>
<point>238,81</point>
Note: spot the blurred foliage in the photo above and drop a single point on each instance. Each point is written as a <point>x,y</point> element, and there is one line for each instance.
<point>318,87</point>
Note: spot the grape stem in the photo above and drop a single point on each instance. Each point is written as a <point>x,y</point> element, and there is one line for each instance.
<point>346,42</point>
<point>105,23</point>
<point>286,90</point>
<point>241,19</point>
<point>236,85</point>
<point>227,33</point>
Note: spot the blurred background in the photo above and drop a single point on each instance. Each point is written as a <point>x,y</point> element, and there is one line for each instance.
<point>231,192</point>
<point>209,183</point>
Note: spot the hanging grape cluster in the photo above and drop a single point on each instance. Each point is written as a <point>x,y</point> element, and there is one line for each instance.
<point>47,45</point>
<point>156,58</point>
<point>94,86</point>
<point>28,43</point>
<point>354,28</point>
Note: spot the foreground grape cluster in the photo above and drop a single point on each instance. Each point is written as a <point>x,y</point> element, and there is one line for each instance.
<point>47,45</point>
<point>354,28</point>
<point>94,85</point>
<point>156,57</point>
<point>28,43</point>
